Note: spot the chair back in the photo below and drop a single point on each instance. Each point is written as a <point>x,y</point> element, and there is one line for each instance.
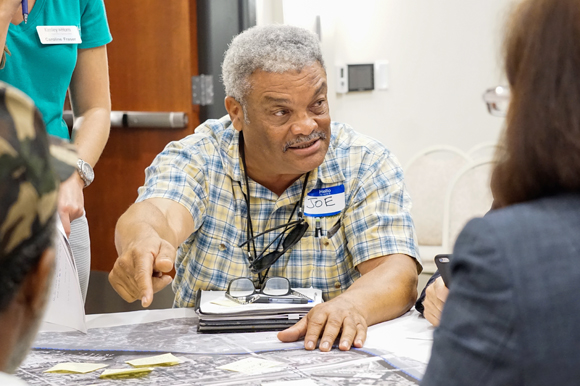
<point>483,151</point>
<point>469,196</point>
<point>427,177</point>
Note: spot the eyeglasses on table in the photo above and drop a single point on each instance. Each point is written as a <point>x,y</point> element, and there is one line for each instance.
<point>275,289</point>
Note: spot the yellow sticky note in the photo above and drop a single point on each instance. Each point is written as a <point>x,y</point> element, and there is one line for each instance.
<point>125,373</point>
<point>157,360</point>
<point>75,368</point>
<point>251,366</point>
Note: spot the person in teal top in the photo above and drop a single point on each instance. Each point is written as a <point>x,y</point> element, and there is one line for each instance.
<point>44,71</point>
<point>61,47</point>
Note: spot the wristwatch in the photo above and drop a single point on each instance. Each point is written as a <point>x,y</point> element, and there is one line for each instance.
<point>85,171</point>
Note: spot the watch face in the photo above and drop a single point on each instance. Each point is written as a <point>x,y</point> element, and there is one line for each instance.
<point>88,171</point>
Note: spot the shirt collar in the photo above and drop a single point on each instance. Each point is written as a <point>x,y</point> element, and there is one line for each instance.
<point>230,150</point>
<point>330,172</point>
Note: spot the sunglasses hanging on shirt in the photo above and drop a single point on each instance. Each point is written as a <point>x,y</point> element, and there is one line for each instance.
<point>263,261</point>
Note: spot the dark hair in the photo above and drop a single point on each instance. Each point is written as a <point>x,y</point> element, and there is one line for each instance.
<point>541,142</point>
<point>21,261</point>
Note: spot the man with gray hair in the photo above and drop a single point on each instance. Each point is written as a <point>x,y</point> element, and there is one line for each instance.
<point>275,189</point>
<point>29,181</point>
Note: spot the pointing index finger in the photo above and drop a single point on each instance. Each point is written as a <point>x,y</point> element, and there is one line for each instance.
<point>144,278</point>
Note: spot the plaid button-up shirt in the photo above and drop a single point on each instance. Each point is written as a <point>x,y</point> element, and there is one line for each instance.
<point>203,173</point>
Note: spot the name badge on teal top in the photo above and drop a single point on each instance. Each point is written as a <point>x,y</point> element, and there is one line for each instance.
<point>59,34</point>
<point>324,202</point>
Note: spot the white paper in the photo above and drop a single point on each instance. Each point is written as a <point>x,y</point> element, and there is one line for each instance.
<point>252,365</point>
<point>400,336</point>
<point>65,303</point>
<point>212,303</point>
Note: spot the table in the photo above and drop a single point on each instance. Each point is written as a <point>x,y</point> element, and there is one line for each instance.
<point>396,353</point>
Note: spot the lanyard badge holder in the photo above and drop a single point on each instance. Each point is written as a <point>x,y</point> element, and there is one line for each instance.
<point>323,202</point>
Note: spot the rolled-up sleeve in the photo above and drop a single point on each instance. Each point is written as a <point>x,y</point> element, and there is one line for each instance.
<point>178,174</point>
<point>378,222</point>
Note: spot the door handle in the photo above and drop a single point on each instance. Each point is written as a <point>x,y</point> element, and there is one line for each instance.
<point>159,120</point>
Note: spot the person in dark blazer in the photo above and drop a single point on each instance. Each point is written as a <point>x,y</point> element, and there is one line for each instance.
<point>512,316</point>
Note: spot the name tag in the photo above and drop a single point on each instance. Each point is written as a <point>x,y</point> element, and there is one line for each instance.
<point>59,34</point>
<point>324,202</point>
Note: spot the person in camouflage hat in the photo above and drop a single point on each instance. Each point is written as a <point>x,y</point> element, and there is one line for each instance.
<point>31,169</point>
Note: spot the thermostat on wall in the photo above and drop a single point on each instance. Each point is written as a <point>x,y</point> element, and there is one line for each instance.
<point>362,77</point>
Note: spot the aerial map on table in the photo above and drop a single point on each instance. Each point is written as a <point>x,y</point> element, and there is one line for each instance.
<point>202,355</point>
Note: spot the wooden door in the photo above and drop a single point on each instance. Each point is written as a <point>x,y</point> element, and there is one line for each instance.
<point>152,58</point>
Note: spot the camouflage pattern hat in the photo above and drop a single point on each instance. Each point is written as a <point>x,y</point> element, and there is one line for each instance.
<point>31,168</point>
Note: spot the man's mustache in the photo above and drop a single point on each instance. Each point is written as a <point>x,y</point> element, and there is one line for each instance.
<point>314,135</point>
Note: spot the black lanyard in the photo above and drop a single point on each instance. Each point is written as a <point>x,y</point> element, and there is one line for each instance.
<point>250,228</point>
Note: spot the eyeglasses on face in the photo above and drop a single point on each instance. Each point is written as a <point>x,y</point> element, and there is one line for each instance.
<point>242,290</point>
<point>497,100</point>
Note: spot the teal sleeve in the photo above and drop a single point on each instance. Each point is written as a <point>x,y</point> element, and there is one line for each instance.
<point>94,26</point>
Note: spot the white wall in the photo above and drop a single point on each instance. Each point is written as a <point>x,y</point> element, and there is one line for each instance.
<point>443,55</point>
<point>269,12</point>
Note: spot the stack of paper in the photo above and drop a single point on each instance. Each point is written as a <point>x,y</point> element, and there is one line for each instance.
<point>220,314</point>
<point>66,306</point>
